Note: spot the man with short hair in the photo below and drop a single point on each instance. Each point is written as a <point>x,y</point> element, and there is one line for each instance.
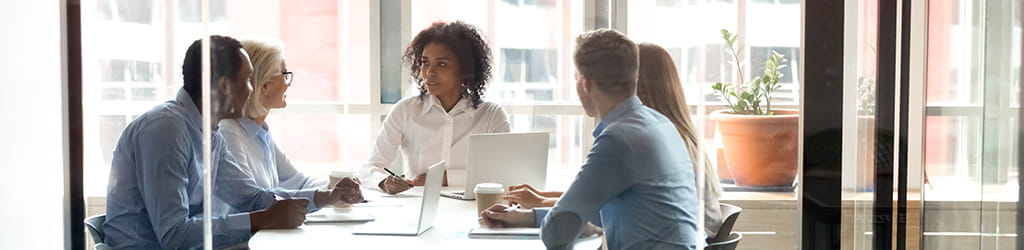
<point>155,190</point>
<point>635,183</point>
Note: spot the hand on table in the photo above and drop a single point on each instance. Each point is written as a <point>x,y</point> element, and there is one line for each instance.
<point>546,194</point>
<point>394,184</point>
<point>499,216</point>
<point>345,192</point>
<point>281,214</point>
<point>528,198</point>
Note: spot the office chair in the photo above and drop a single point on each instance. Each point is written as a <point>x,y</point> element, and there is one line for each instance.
<point>730,243</point>
<point>95,226</point>
<point>725,238</point>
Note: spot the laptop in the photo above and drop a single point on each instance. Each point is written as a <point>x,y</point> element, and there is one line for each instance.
<point>505,158</point>
<point>428,210</point>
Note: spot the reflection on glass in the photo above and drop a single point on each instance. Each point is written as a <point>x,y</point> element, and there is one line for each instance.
<point>858,187</point>
<point>973,75</point>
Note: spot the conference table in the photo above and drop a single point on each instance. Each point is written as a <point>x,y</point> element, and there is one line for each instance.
<point>450,231</point>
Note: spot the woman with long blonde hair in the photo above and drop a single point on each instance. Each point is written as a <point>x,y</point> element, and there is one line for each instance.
<point>659,87</point>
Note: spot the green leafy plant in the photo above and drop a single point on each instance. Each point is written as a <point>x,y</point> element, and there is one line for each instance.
<point>866,88</point>
<point>747,97</point>
<point>865,96</point>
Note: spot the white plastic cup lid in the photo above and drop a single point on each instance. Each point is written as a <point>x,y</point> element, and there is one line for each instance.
<point>489,188</point>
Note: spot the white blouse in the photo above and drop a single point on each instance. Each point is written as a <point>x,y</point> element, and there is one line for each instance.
<point>427,134</point>
<point>255,151</point>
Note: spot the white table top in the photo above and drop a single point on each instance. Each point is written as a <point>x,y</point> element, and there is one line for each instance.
<point>454,220</point>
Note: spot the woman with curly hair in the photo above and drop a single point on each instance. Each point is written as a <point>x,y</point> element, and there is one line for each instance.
<point>451,64</point>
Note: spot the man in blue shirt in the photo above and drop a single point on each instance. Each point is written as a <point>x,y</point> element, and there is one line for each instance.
<point>635,183</point>
<point>155,193</point>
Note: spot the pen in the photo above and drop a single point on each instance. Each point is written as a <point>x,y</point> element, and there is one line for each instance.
<point>395,175</point>
<point>512,208</point>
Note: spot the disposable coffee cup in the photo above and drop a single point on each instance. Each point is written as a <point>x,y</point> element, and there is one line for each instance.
<point>488,194</point>
<point>337,175</point>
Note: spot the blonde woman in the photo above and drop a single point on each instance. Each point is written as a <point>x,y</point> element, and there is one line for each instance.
<point>249,138</point>
<point>658,87</point>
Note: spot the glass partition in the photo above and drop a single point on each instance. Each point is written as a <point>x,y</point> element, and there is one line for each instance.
<point>859,106</point>
<point>970,198</point>
<point>132,67</point>
<point>691,31</point>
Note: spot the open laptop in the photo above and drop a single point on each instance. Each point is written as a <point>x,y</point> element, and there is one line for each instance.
<point>428,210</point>
<point>505,158</point>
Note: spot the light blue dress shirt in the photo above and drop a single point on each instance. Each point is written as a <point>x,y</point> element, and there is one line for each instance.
<point>155,191</point>
<point>636,183</point>
<point>256,153</point>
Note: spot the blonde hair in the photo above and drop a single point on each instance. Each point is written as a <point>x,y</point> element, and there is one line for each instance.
<point>659,87</point>
<point>266,56</point>
<point>609,59</point>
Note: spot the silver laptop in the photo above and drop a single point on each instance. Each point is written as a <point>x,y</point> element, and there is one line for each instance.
<point>428,210</point>
<point>505,158</point>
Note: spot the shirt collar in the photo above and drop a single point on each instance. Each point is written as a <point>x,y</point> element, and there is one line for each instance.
<point>617,112</point>
<point>251,128</point>
<point>192,114</point>
<point>463,105</point>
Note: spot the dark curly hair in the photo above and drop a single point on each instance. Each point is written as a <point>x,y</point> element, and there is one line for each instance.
<point>470,49</point>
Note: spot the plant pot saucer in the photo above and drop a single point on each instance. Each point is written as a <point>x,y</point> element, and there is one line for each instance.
<point>773,189</point>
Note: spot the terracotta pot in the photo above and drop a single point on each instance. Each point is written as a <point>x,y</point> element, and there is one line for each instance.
<point>865,153</point>
<point>760,150</point>
<point>723,171</point>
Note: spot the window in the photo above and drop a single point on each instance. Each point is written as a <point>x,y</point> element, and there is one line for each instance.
<point>788,92</point>
<point>128,11</point>
<point>190,10</point>
<point>130,71</point>
<point>529,65</point>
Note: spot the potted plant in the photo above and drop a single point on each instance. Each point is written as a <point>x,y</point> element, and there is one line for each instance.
<point>866,133</point>
<point>760,142</point>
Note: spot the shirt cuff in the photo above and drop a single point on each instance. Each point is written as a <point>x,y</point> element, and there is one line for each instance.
<point>371,176</point>
<point>308,194</point>
<point>239,226</point>
<point>541,213</point>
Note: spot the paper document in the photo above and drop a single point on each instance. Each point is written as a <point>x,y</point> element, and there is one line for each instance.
<point>504,233</point>
<point>336,216</point>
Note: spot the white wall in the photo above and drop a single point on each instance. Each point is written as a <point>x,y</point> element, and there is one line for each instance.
<point>32,152</point>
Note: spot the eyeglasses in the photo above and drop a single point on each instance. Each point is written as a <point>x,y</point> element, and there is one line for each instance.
<point>288,76</point>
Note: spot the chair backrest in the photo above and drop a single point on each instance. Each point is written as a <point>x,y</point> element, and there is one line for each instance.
<point>731,213</point>
<point>95,226</point>
<point>729,243</point>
